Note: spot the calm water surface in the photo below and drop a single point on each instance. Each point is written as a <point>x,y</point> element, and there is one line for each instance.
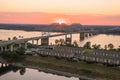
<point>13,73</point>
<point>101,39</point>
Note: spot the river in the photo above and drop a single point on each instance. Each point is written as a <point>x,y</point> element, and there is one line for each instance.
<point>17,73</point>
<point>101,39</point>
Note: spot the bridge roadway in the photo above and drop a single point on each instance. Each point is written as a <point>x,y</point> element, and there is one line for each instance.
<point>4,43</point>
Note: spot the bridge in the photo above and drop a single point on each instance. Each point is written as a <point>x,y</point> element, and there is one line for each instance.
<point>9,45</point>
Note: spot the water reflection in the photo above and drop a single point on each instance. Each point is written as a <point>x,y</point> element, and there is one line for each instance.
<point>22,71</point>
<point>6,68</point>
<point>10,72</point>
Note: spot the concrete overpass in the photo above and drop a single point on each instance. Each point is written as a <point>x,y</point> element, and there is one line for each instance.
<point>5,45</point>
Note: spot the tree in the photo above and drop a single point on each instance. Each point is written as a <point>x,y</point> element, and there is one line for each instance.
<point>87,45</point>
<point>62,42</point>
<point>105,47</point>
<point>9,38</point>
<point>20,51</point>
<point>14,38</point>
<point>22,71</point>
<point>98,46</point>
<point>95,46</point>
<point>56,41</point>
<point>118,48</point>
<point>75,43</point>
<point>110,46</point>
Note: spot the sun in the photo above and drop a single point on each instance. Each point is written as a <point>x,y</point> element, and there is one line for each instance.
<point>60,21</point>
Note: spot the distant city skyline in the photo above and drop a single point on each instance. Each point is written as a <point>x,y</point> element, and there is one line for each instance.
<point>86,12</point>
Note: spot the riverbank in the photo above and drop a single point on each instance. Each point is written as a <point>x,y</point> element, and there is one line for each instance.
<point>68,68</point>
<point>94,71</point>
<point>55,72</point>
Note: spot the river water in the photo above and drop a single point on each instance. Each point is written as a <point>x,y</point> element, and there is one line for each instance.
<point>101,39</point>
<point>17,73</point>
<point>32,74</point>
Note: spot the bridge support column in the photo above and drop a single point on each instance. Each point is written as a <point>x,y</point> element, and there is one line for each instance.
<point>86,35</point>
<point>32,41</point>
<point>82,37</point>
<point>25,45</point>
<point>94,33</point>
<point>1,48</point>
<point>20,45</point>
<point>11,48</point>
<point>68,38</point>
<point>5,48</point>
<point>90,34</point>
<point>37,42</point>
<point>45,41</point>
<point>1,65</point>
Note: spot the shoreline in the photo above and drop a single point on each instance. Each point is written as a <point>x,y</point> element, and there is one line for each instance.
<point>56,72</point>
<point>69,68</point>
<point>48,70</point>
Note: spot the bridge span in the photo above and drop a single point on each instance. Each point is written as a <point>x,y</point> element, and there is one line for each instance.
<point>9,45</point>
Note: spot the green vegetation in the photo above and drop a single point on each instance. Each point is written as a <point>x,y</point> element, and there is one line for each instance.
<point>87,45</point>
<point>29,45</point>
<point>75,44</point>
<point>88,50</point>
<point>14,38</point>
<point>61,42</point>
<point>79,68</point>
<point>118,48</point>
<point>14,56</point>
<point>109,47</point>
<point>95,46</point>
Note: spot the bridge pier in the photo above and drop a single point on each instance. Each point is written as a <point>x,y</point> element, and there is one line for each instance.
<point>1,48</point>
<point>45,41</point>
<point>1,65</point>
<point>6,48</point>
<point>11,48</point>
<point>68,38</point>
<point>90,34</point>
<point>25,45</point>
<point>33,42</point>
<point>86,35</point>
<point>37,42</point>
<point>20,45</point>
<point>82,36</point>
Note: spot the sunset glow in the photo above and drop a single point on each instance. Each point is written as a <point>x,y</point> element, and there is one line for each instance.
<point>60,21</point>
<point>45,11</point>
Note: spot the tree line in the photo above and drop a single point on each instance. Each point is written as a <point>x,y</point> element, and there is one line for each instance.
<point>87,45</point>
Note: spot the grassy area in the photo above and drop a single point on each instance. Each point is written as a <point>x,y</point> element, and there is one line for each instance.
<point>81,68</point>
<point>88,51</point>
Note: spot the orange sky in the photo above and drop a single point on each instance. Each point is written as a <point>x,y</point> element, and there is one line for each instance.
<point>104,12</point>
